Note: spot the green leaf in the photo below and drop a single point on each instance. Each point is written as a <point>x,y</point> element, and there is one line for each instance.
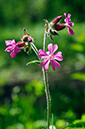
<point>78,76</point>
<point>77,124</point>
<point>34,61</point>
<point>77,47</point>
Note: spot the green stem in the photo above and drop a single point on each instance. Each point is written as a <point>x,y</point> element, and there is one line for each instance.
<point>48,98</point>
<point>44,42</point>
<point>45,78</point>
<point>34,48</point>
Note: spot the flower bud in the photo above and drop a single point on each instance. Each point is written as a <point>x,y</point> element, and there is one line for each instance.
<point>21,44</point>
<point>24,38</point>
<point>56,20</point>
<point>60,27</point>
<point>30,39</point>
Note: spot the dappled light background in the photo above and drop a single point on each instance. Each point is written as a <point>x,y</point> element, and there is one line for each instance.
<point>22,94</point>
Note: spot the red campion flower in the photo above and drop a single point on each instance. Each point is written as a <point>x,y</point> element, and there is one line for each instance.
<point>50,57</point>
<point>12,46</point>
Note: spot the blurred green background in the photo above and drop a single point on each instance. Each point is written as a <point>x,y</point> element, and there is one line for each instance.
<point>22,94</point>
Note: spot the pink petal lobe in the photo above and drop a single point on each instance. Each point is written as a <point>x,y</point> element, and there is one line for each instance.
<point>10,42</point>
<point>69,15</point>
<point>53,65</point>
<point>47,65</point>
<point>13,54</point>
<point>42,54</point>
<point>56,63</point>
<point>65,14</point>
<point>9,49</point>
<point>58,56</point>
<point>16,49</point>
<point>50,47</point>
<point>55,47</point>
<point>70,31</point>
<point>43,63</point>
<point>71,24</point>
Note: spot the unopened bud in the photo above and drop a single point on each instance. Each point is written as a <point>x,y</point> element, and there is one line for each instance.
<point>30,39</point>
<point>56,20</point>
<point>24,38</point>
<point>21,44</point>
<point>27,38</point>
<point>60,27</point>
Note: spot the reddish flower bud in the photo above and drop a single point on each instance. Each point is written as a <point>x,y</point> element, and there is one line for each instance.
<point>60,27</point>
<point>56,20</point>
<point>21,44</point>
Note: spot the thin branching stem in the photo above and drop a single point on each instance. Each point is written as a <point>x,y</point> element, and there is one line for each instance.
<point>34,48</point>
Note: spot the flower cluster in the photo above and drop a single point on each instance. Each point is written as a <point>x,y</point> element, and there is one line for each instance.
<point>45,58</point>
<point>54,26</point>
<point>15,47</point>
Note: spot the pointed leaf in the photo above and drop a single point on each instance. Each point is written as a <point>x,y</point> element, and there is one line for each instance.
<point>34,61</point>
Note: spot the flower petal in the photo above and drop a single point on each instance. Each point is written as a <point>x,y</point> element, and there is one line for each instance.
<point>10,42</point>
<point>71,24</point>
<point>65,14</point>
<point>55,47</point>
<point>70,31</point>
<point>58,56</point>
<point>69,15</point>
<point>50,47</point>
<point>56,63</point>
<point>9,48</point>
<point>43,63</point>
<point>47,65</point>
<point>53,65</point>
<point>16,49</point>
<point>13,54</point>
<point>42,53</point>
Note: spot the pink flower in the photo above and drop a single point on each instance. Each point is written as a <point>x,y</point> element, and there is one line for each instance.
<point>50,57</point>
<point>69,24</point>
<point>12,46</point>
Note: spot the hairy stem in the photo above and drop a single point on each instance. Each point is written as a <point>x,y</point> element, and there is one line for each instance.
<point>44,42</point>
<point>34,48</point>
<point>48,98</point>
<point>45,78</point>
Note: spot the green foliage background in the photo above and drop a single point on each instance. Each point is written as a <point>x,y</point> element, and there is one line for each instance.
<point>22,95</point>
